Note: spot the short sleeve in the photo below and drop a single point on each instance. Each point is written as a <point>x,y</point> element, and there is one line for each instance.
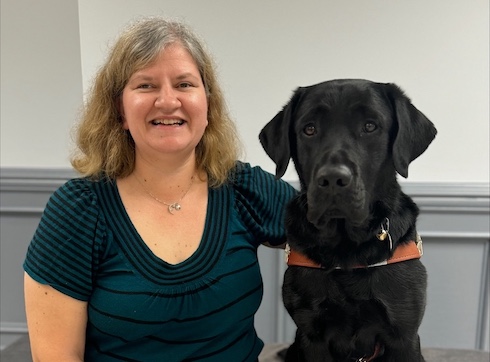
<point>260,201</point>
<point>67,244</point>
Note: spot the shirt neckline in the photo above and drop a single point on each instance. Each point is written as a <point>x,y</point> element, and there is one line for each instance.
<point>145,261</point>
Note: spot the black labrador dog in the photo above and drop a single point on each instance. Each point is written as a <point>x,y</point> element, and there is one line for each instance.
<point>356,288</point>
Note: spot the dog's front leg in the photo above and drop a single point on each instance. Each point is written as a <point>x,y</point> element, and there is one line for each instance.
<point>294,353</point>
<point>302,350</point>
<point>309,313</point>
<point>407,350</point>
<point>310,344</point>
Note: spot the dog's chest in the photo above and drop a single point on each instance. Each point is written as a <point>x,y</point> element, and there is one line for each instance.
<point>335,284</point>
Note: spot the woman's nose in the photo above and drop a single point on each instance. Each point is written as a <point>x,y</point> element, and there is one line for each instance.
<point>167,98</point>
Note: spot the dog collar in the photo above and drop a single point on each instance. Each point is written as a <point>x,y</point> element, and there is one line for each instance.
<point>403,252</point>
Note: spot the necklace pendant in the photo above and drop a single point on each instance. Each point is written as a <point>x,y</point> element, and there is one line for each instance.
<point>170,207</point>
<point>173,207</point>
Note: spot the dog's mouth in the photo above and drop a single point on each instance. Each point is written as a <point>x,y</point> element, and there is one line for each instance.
<point>329,222</point>
<point>321,210</point>
<point>330,214</point>
<point>320,218</point>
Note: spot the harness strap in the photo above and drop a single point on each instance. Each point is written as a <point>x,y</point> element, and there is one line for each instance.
<point>403,252</point>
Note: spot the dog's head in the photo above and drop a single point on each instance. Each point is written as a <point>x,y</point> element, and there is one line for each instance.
<point>347,139</point>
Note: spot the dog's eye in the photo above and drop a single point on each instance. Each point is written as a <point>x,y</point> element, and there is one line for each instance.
<point>370,127</point>
<point>309,130</point>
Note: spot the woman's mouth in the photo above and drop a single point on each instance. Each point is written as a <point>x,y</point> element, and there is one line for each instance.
<point>167,122</point>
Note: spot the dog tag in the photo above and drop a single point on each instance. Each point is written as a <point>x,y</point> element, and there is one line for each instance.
<point>382,235</point>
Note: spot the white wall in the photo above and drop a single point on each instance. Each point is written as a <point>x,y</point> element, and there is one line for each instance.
<point>41,84</point>
<point>437,50</point>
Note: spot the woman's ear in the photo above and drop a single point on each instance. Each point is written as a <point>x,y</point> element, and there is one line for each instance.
<point>122,117</point>
<point>124,123</point>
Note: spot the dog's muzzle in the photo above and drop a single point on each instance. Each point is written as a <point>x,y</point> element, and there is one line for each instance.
<point>335,193</point>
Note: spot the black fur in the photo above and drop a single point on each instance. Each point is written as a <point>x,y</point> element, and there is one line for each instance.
<point>348,139</point>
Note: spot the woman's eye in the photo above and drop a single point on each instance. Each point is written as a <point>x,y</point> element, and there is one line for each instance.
<point>370,127</point>
<point>185,85</point>
<point>144,86</point>
<point>309,130</point>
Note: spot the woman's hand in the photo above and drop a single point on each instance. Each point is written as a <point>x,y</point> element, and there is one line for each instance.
<point>56,323</point>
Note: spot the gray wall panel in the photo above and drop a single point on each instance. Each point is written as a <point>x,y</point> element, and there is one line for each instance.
<point>15,233</point>
<point>453,311</point>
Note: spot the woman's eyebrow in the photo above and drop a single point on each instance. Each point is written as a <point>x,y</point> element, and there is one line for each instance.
<point>140,77</point>
<point>187,75</point>
<point>145,77</point>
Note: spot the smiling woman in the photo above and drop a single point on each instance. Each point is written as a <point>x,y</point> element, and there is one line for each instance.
<point>152,255</point>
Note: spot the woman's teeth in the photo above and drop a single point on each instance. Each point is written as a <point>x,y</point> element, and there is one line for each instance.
<point>167,122</point>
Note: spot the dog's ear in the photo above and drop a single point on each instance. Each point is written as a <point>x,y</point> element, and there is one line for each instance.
<point>415,131</point>
<point>275,137</point>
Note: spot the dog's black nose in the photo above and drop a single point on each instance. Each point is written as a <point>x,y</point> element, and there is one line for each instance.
<point>333,177</point>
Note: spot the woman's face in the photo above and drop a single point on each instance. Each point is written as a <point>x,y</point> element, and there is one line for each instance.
<point>164,106</point>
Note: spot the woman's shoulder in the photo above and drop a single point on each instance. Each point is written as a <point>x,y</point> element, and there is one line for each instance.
<point>70,239</point>
<point>73,214</point>
<point>260,200</point>
<point>76,190</point>
<point>76,199</point>
<point>84,187</point>
<point>245,171</point>
<point>260,189</point>
<point>248,177</point>
<point>78,185</point>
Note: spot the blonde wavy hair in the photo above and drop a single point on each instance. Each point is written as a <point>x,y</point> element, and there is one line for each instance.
<point>105,149</point>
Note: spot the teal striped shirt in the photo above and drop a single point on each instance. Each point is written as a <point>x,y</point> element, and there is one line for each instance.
<point>141,308</point>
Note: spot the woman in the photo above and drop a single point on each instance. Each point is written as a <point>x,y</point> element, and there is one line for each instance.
<point>151,255</point>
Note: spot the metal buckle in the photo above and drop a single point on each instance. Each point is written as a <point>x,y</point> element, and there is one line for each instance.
<point>419,244</point>
<point>287,251</point>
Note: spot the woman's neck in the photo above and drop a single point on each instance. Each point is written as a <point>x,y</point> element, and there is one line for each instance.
<point>165,180</point>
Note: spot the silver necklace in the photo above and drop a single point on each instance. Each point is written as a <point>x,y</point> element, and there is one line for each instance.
<point>174,206</point>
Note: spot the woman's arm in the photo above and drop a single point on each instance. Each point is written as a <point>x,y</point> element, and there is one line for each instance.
<point>56,323</point>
